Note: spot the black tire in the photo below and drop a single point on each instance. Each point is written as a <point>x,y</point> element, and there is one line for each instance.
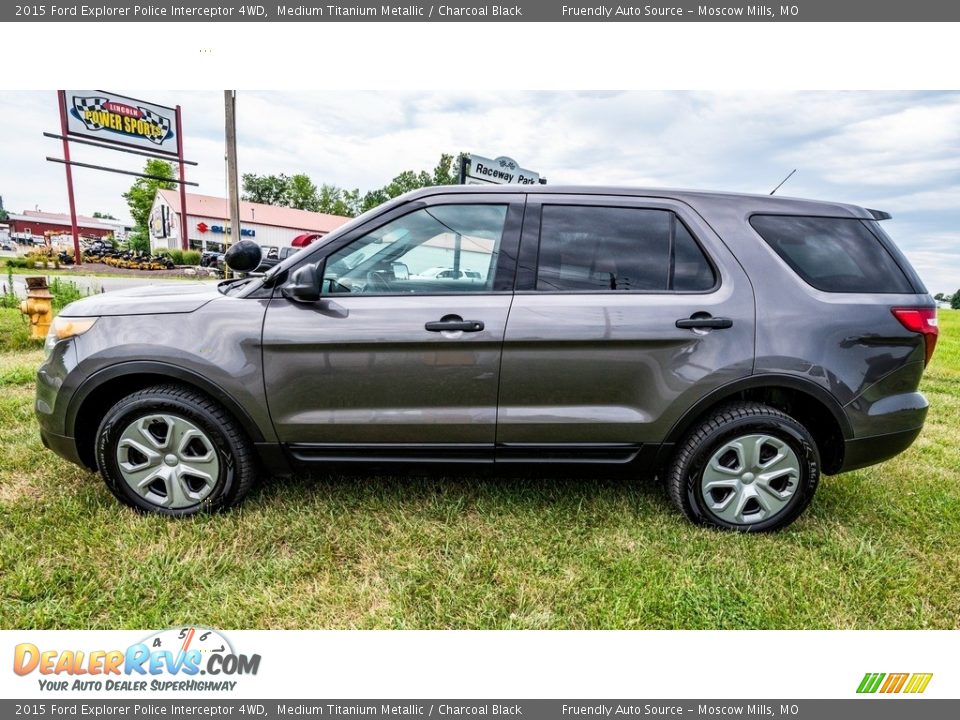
<point>236,463</point>
<point>686,470</point>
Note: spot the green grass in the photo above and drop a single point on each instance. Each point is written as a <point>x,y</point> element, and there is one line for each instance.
<point>878,548</point>
<point>15,336</point>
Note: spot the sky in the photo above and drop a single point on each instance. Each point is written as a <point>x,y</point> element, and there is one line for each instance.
<point>893,151</point>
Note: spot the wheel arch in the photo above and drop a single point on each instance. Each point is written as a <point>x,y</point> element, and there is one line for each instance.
<point>103,389</point>
<point>802,399</point>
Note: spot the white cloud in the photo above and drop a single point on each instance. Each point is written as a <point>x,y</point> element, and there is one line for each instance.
<point>898,151</point>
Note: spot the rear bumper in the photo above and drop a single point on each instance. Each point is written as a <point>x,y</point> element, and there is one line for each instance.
<point>884,422</point>
<point>861,452</point>
<point>65,447</point>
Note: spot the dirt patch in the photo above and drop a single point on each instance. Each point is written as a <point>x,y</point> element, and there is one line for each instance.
<point>15,487</point>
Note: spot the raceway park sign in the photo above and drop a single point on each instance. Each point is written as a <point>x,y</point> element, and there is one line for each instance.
<point>501,171</point>
<point>119,120</point>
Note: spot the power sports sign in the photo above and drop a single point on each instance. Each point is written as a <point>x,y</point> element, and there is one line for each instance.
<point>500,171</point>
<point>120,120</point>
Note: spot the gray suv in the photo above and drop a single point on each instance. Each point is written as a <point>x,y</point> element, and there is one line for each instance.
<point>736,346</point>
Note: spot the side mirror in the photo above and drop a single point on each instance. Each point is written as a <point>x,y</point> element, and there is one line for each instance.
<point>243,256</point>
<point>304,284</point>
<point>400,271</point>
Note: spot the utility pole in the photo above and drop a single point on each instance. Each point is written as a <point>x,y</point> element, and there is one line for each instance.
<point>233,191</point>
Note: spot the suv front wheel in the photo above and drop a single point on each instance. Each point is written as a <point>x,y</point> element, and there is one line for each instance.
<point>747,467</point>
<point>174,451</point>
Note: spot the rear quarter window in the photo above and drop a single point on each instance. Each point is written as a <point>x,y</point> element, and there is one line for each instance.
<point>839,255</point>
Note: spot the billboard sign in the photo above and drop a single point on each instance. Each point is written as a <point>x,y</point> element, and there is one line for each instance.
<point>119,120</point>
<point>499,171</point>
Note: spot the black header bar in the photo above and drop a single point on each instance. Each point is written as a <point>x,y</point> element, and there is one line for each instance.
<point>478,11</point>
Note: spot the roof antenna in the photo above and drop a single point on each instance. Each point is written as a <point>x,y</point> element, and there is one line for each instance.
<point>783,181</point>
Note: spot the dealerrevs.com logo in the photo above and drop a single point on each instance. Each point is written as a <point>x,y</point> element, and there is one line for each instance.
<point>180,659</point>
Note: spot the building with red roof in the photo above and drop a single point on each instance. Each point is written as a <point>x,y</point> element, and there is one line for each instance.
<point>208,222</point>
<point>33,226</point>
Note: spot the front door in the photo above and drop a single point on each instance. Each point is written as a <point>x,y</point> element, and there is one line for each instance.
<point>400,359</point>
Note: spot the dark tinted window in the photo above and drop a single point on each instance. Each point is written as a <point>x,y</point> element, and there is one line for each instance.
<point>833,254</point>
<point>626,249</point>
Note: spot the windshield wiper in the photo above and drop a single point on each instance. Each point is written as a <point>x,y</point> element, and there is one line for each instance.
<point>225,286</point>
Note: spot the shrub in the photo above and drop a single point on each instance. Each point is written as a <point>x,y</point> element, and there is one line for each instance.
<point>175,255</point>
<point>138,242</point>
<point>9,298</point>
<point>16,262</point>
<point>64,292</point>
<point>191,257</point>
<point>35,259</point>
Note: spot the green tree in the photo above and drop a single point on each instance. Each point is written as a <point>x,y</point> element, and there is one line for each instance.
<point>3,214</point>
<point>955,300</point>
<point>141,194</point>
<point>299,191</point>
<point>302,193</point>
<point>138,241</point>
<point>337,201</point>
<point>266,189</point>
<point>103,216</point>
<point>447,171</point>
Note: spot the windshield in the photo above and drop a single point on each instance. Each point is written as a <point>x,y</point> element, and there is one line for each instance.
<point>293,258</point>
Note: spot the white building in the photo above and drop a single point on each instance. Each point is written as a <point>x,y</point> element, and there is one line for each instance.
<point>208,223</point>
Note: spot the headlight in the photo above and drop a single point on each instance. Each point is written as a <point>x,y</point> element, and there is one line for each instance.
<point>66,327</point>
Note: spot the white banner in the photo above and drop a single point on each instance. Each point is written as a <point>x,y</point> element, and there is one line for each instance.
<point>194,662</point>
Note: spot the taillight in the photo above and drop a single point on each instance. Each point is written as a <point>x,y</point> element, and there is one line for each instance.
<point>923,321</point>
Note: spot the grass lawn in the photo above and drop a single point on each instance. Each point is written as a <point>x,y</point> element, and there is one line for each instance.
<point>878,548</point>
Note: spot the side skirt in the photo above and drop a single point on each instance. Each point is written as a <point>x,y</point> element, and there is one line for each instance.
<point>309,454</point>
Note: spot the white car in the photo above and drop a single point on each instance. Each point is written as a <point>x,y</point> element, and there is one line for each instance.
<point>445,273</point>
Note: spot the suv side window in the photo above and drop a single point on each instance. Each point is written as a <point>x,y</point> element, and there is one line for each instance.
<point>438,249</point>
<point>588,248</point>
<point>833,254</point>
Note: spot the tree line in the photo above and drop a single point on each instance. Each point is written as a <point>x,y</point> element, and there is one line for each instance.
<point>300,192</point>
<point>954,299</point>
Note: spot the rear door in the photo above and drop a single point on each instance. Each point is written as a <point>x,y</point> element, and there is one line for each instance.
<point>394,362</point>
<point>627,311</point>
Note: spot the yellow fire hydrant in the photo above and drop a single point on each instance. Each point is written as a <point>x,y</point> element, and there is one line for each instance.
<point>38,307</point>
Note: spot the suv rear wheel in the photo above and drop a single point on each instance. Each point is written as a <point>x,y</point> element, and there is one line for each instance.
<point>748,467</point>
<point>171,450</point>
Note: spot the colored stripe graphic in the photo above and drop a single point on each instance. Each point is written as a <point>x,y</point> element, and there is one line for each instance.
<point>918,682</point>
<point>870,683</point>
<point>894,683</point>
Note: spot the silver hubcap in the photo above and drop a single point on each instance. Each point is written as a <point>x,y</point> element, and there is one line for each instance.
<point>750,479</point>
<point>168,461</point>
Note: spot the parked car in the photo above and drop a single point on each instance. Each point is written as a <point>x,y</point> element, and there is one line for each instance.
<point>273,255</point>
<point>211,259</point>
<point>6,247</point>
<point>450,274</point>
<point>736,346</point>
<point>97,247</point>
